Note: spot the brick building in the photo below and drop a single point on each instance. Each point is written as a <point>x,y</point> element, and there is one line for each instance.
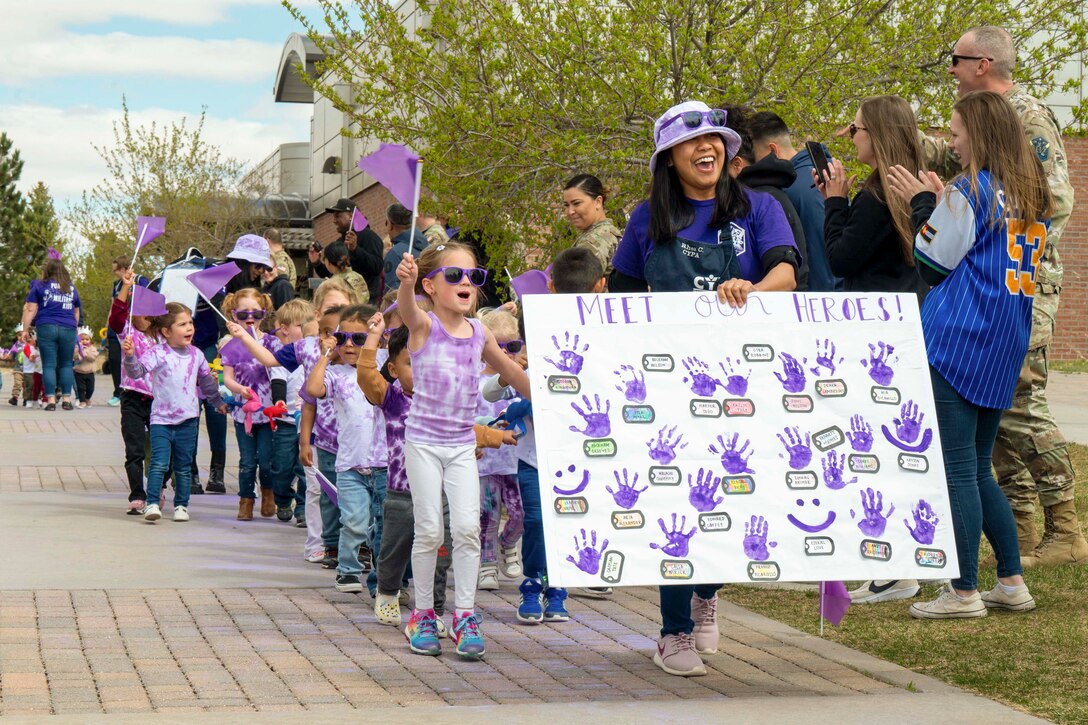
<point>1071,336</point>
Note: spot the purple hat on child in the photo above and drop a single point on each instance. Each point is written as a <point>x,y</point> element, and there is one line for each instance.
<point>688,120</point>
<point>252,248</point>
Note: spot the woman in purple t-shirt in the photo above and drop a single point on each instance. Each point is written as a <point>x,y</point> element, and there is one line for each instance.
<point>53,307</point>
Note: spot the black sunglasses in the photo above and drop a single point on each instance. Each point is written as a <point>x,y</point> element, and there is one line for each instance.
<point>453,275</point>
<point>957,58</point>
<point>513,347</point>
<point>357,338</point>
<point>694,119</point>
<point>854,128</point>
<point>243,315</point>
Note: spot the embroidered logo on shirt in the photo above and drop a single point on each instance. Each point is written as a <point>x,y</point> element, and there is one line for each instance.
<point>1042,147</point>
<point>739,240</point>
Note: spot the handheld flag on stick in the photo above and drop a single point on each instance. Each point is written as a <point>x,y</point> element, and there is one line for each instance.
<point>147,303</point>
<point>532,282</point>
<point>327,487</point>
<point>358,221</point>
<point>208,282</point>
<point>834,601</point>
<point>394,167</point>
<point>148,228</point>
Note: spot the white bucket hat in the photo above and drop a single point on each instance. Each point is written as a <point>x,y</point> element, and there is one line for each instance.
<point>252,248</point>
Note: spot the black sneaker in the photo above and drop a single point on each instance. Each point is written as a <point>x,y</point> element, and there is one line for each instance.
<point>51,406</point>
<point>300,522</point>
<point>13,401</point>
<point>348,583</point>
<point>283,513</point>
<point>331,560</point>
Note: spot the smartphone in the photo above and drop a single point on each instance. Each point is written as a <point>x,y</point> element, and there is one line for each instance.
<point>819,158</point>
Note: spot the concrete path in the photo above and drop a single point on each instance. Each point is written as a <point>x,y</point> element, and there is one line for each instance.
<point>105,616</point>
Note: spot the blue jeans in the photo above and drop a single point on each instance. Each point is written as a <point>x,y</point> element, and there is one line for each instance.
<point>330,514</point>
<point>355,490</point>
<point>288,478</point>
<point>978,505</point>
<point>172,444</point>
<point>254,452</point>
<point>377,523</point>
<point>676,605</point>
<point>56,343</point>
<point>534,561</point>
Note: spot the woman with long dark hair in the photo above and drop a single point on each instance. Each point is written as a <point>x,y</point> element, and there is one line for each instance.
<point>53,308</point>
<point>700,230</point>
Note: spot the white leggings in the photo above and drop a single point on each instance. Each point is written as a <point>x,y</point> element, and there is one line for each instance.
<point>432,469</point>
<point>314,542</point>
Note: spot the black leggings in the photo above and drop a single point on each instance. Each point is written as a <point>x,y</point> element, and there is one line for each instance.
<point>84,387</point>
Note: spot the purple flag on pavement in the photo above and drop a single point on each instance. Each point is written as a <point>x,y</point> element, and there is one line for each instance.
<point>394,166</point>
<point>533,282</point>
<point>147,229</point>
<point>834,601</point>
<point>209,281</point>
<point>147,303</point>
<point>358,221</point>
<point>327,487</point>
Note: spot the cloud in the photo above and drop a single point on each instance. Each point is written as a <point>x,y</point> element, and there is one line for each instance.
<point>56,143</point>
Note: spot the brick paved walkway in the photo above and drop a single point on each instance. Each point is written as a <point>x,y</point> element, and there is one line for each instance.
<point>121,648</point>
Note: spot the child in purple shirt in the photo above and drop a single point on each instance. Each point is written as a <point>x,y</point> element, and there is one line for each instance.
<point>177,371</point>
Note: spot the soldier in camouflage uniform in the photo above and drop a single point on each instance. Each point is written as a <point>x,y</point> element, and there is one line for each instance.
<point>1030,455</point>
<point>583,202</point>
<point>282,260</point>
<point>432,229</point>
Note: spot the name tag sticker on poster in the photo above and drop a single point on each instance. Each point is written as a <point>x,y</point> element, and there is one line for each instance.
<point>793,439</point>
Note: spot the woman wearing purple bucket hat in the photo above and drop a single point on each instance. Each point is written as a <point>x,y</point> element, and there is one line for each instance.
<point>254,257</point>
<point>700,230</point>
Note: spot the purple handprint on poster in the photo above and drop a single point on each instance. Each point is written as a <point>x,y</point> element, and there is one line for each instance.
<point>589,554</point>
<point>833,465</point>
<point>736,377</point>
<point>700,382</point>
<point>596,419</point>
<point>755,539</point>
<point>676,540</point>
<point>799,450</point>
<point>701,491</point>
<point>792,376</point>
<point>734,459</point>
<point>925,523</point>
<point>625,495</point>
<point>632,383</point>
<point>909,426</point>
<point>873,521</point>
<point>570,355</point>
<point>825,358</point>
<point>880,363</point>
<point>860,435</point>
<point>663,447</point>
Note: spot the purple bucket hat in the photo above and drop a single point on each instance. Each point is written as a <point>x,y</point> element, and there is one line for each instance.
<point>252,248</point>
<point>670,130</point>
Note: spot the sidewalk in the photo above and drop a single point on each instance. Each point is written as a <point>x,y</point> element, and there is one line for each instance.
<point>103,615</point>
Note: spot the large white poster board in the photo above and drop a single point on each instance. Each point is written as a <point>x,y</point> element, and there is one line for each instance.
<point>682,441</point>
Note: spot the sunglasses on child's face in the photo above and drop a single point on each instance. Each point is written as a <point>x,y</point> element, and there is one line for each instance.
<point>388,332</point>
<point>453,275</point>
<point>357,338</point>
<point>513,347</point>
<point>243,315</point>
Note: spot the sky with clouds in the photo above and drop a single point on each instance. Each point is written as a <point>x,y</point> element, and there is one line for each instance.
<point>66,64</point>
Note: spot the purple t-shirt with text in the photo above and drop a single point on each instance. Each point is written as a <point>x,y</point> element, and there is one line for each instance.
<point>54,307</point>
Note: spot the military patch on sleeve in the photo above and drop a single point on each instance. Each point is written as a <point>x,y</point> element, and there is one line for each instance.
<point>1042,147</point>
<point>928,233</point>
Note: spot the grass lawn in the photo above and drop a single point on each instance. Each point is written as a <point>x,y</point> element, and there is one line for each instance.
<point>1069,366</point>
<point>1036,662</point>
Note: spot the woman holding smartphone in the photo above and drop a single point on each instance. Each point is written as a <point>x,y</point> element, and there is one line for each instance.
<point>869,239</point>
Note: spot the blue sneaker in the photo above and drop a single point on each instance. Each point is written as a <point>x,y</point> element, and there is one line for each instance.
<point>530,611</point>
<point>467,636</point>
<point>555,609</point>
<point>422,634</point>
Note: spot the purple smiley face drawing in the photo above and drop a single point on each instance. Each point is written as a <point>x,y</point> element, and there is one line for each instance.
<point>811,528</point>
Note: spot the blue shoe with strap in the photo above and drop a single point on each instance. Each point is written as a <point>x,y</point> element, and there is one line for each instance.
<point>467,636</point>
<point>555,605</point>
<point>422,634</point>
<point>531,611</point>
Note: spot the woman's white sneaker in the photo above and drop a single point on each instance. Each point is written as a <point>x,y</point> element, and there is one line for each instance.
<point>1013,599</point>
<point>950,605</point>
<point>181,513</point>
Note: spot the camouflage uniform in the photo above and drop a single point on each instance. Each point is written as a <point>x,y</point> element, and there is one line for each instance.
<point>1030,455</point>
<point>284,263</point>
<point>435,233</point>
<point>602,239</point>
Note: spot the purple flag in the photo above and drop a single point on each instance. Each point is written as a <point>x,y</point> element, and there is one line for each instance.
<point>209,281</point>
<point>358,221</point>
<point>236,350</point>
<point>533,282</point>
<point>327,487</point>
<point>148,228</point>
<point>147,303</point>
<point>834,601</point>
<point>394,167</point>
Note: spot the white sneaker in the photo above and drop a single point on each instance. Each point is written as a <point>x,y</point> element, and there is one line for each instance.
<point>706,634</point>
<point>316,557</point>
<point>387,609</point>
<point>950,605</point>
<point>181,513</point>
<point>1018,600</point>
<point>488,581</point>
<point>152,513</point>
<point>510,562</point>
<point>877,590</point>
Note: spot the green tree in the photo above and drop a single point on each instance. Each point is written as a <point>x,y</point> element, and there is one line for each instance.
<point>14,278</point>
<point>505,99</point>
<point>152,170</point>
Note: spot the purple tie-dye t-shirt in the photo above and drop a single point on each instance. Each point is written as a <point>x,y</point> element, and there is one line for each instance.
<point>445,382</point>
<point>325,433</point>
<point>395,410</point>
<point>175,375</point>
<point>251,374</point>
<point>142,343</point>
<point>362,431</point>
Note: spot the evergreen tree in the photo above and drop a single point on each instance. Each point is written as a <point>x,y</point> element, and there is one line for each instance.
<point>14,281</point>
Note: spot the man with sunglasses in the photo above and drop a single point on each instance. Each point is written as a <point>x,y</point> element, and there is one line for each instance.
<point>1030,456</point>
